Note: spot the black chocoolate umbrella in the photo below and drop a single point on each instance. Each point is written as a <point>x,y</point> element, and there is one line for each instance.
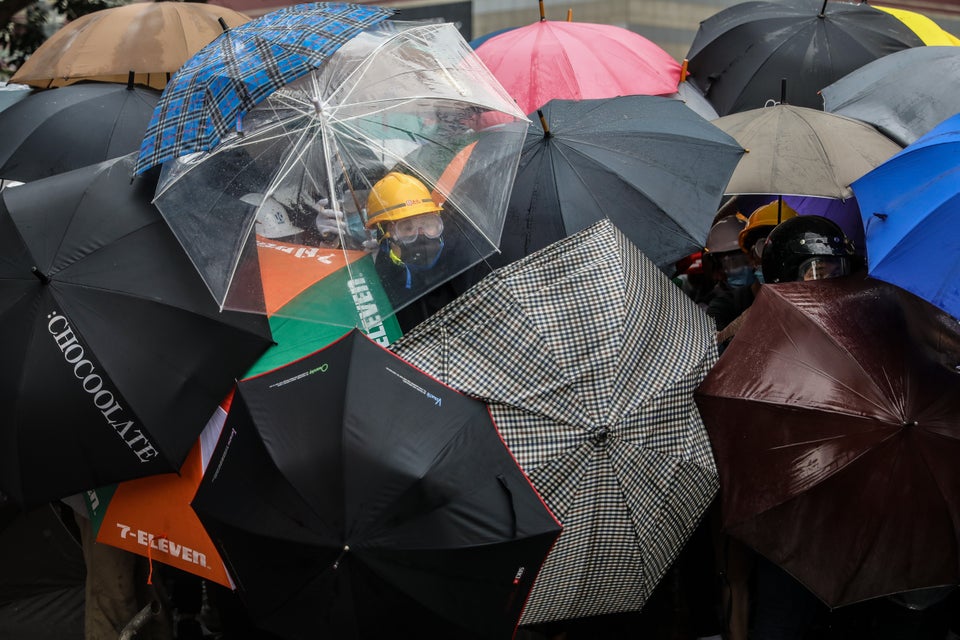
<point>353,496</point>
<point>114,352</point>
<point>649,164</point>
<point>740,54</point>
<point>58,130</point>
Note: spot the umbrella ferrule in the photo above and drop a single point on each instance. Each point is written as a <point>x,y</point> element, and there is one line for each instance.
<point>600,434</point>
<point>336,563</point>
<point>42,277</point>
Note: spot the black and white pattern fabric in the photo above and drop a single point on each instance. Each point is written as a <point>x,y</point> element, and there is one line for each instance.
<point>588,357</point>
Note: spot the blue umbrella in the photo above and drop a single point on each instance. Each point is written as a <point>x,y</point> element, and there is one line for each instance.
<point>909,206</point>
<point>213,90</point>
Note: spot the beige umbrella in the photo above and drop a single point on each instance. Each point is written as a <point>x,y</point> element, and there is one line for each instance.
<point>800,151</point>
<point>153,39</point>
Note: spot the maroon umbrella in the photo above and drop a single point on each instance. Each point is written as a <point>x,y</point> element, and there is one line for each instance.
<point>835,420</point>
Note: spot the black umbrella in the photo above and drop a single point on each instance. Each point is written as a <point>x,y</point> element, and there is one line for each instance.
<point>740,54</point>
<point>58,130</point>
<point>649,164</point>
<point>114,352</point>
<point>351,495</point>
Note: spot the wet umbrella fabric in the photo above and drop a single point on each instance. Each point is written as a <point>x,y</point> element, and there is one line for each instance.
<point>588,356</point>
<point>550,59</point>
<point>833,416</point>
<point>114,354</point>
<point>152,39</point>
<point>904,95</point>
<point>800,151</point>
<point>649,164</point>
<point>909,206</point>
<point>405,516</point>
<point>739,55</point>
<point>50,132</point>
<point>218,85</point>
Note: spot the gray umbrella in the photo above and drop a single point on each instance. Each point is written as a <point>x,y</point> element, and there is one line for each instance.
<point>803,152</point>
<point>904,94</point>
<point>588,357</point>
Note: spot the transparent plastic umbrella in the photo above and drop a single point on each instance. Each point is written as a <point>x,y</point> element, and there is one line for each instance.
<point>274,216</point>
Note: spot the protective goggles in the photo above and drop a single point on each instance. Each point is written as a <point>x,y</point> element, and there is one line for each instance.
<point>824,267</point>
<point>406,230</point>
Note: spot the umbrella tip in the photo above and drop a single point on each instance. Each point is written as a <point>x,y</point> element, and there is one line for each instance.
<point>130,76</point>
<point>823,10</point>
<point>40,276</point>
<point>223,23</point>
<point>569,15</point>
<point>543,16</point>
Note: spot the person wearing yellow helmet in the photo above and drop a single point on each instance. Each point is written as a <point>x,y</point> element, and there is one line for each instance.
<point>407,221</point>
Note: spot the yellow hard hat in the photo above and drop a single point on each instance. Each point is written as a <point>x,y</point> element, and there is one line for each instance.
<point>396,196</point>
<point>764,218</point>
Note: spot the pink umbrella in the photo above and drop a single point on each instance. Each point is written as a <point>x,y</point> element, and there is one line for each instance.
<point>577,60</point>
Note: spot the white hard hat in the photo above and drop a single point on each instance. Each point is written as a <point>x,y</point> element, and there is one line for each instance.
<point>272,219</point>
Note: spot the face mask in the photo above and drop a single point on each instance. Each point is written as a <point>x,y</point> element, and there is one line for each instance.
<point>422,252</point>
<point>740,277</point>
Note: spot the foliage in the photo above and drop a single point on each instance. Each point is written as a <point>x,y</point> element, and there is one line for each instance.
<point>20,35</point>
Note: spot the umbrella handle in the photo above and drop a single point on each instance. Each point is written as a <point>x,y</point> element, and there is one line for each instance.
<point>513,508</point>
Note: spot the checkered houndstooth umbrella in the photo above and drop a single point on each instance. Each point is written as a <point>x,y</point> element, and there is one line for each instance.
<point>213,89</point>
<point>588,357</point>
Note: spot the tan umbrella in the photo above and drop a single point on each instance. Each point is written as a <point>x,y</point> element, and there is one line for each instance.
<point>153,39</point>
<point>800,151</point>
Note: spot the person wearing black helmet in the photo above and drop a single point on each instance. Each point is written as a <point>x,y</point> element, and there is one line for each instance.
<point>807,248</point>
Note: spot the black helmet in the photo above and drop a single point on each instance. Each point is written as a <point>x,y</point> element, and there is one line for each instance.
<point>801,243</point>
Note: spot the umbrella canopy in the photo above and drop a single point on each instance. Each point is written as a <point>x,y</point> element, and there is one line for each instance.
<point>649,164</point>
<point>151,39</point>
<point>833,416</point>
<point>114,354</point>
<point>799,151</point>
<point>691,96</point>
<point>588,356</point>
<point>50,132</point>
<point>319,146</point>
<point>217,86</point>
<point>550,60</point>
<point>740,54</point>
<point>904,95</point>
<point>127,515</point>
<point>12,93</point>
<point>929,31</point>
<point>347,517</point>
<point>909,206</point>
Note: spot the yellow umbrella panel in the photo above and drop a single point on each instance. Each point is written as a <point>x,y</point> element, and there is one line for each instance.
<point>929,31</point>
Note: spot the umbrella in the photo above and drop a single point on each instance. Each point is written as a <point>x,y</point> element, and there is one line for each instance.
<point>691,96</point>
<point>904,95</point>
<point>355,496</point>
<point>799,151</point>
<point>909,206</point>
<point>226,78</point>
<point>54,131</point>
<point>649,164</point>
<point>551,59</point>
<point>929,31</point>
<point>378,105</point>
<point>833,416</point>
<point>152,39</point>
<point>588,356</point>
<point>152,516</point>
<point>740,54</point>
<point>114,354</point>
<point>11,94</point>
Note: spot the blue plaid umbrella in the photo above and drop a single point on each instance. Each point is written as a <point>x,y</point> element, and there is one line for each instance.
<point>215,88</point>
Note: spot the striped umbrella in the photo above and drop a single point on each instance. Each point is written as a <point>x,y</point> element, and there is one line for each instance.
<point>588,357</point>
